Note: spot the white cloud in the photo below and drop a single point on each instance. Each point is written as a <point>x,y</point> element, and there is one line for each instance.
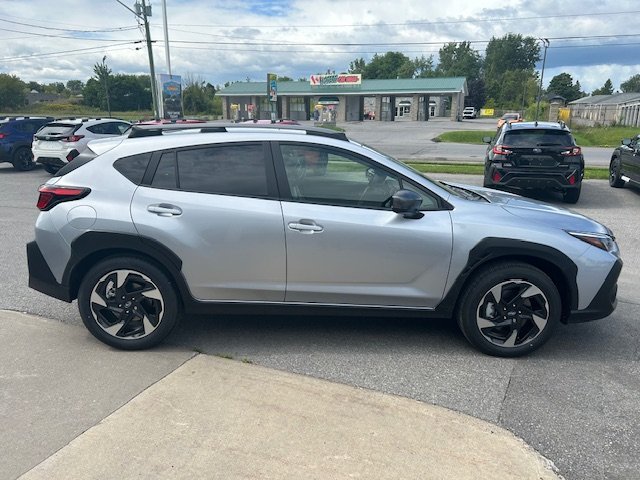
<point>300,24</point>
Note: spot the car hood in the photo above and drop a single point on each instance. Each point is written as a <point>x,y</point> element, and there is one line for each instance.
<point>545,214</point>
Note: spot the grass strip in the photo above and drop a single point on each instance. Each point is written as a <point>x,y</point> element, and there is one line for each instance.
<point>590,173</point>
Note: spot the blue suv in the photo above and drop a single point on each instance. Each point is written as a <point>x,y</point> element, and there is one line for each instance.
<point>16,135</point>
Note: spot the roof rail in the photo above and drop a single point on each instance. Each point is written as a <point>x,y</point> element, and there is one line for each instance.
<point>138,131</point>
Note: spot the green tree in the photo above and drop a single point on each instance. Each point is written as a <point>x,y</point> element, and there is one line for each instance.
<point>511,53</point>
<point>460,60</point>
<point>75,86</point>
<point>389,65</point>
<point>606,89</point>
<point>423,67</point>
<point>12,91</point>
<point>54,87</point>
<point>35,86</point>
<point>632,84</point>
<point>102,74</point>
<point>562,85</point>
<point>199,96</point>
<point>357,66</point>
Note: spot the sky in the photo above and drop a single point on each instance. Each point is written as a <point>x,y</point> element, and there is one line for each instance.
<point>217,41</point>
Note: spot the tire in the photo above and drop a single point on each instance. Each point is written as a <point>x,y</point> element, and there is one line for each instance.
<point>138,314</point>
<point>507,326</point>
<point>23,159</point>
<point>51,169</point>
<point>614,174</point>
<point>571,196</point>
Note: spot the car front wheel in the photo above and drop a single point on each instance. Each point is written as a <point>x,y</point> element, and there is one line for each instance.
<point>128,303</point>
<point>509,309</point>
<point>615,179</point>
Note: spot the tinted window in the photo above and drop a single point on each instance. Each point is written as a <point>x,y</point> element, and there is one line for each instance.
<point>165,176</point>
<point>229,169</point>
<point>325,176</point>
<point>133,167</point>
<point>58,129</point>
<point>537,138</point>
<point>97,129</point>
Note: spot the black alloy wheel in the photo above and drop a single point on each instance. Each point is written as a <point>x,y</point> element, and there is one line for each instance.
<point>615,179</point>
<point>128,303</point>
<point>509,309</point>
<point>23,159</point>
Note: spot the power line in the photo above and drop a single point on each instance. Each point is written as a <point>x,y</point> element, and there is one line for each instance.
<point>48,21</point>
<point>65,52</point>
<point>115,29</point>
<point>50,35</point>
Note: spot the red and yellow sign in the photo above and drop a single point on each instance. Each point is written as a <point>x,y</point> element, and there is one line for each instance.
<point>336,79</point>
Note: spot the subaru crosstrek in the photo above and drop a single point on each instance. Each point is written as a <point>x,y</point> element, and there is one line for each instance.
<point>177,220</point>
<point>535,156</point>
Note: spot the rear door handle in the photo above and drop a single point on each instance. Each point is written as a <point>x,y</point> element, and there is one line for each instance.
<point>165,210</point>
<point>305,226</point>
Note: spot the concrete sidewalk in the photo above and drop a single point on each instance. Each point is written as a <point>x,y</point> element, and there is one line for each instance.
<point>71,407</point>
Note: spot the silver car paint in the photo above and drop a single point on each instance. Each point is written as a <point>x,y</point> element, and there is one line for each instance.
<point>232,248</point>
<point>506,217</point>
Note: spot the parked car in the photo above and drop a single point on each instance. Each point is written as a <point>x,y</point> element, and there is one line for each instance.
<point>279,122</point>
<point>535,156</point>
<point>469,112</point>
<point>59,142</point>
<point>16,135</point>
<point>510,117</point>
<point>274,220</point>
<point>625,163</point>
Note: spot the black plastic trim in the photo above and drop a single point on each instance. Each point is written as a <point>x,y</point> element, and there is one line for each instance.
<point>40,276</point>
<point>496,249</point>
<point>605,301</point>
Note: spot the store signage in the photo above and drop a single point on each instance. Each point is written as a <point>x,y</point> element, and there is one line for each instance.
<point>272,87</point>
<point>336,79</point>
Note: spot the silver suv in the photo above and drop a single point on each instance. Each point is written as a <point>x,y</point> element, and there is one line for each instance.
<point>211,218</point>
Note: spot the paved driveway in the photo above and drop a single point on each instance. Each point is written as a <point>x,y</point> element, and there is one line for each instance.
<point>576,400</point>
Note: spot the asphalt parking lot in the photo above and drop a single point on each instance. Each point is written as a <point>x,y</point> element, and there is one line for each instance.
<point>575,400</point>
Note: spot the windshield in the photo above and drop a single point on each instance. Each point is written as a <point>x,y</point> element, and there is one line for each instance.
<point>444,186</point>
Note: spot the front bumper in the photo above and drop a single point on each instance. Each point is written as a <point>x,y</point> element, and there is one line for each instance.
<point>605,301</point>
<point>40,276</point>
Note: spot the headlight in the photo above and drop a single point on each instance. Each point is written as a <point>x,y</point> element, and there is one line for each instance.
<point>600,240</point>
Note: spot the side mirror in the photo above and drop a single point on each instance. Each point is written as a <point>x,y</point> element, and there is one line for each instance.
<point>407,203</point>
<point>626,141</point>
<point>487,139</point>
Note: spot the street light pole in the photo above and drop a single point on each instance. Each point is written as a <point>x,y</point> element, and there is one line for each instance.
<point>545,42</point>
<point>152,70</point>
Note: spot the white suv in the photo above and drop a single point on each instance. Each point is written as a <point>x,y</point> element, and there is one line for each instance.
<point>469,112</point>
<point>59,142</point>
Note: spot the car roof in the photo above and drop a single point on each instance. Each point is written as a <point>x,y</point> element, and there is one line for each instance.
<point>537,125</point>
<point>76,121</point>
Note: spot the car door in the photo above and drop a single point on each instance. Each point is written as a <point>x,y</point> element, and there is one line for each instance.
<point>344,244</point>
<point>216,207</point>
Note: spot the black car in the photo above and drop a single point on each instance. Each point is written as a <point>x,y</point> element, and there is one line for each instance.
<point>625,163</point>
<point>16,135</point>
<point>535,156</point>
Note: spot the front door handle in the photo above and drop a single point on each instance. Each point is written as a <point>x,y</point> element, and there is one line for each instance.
<point>305,226</point>
<point>165,210</point>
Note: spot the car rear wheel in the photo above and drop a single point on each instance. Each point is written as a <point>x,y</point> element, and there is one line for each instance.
<point>128,303</point>
<point>23,159</point>
<point>615,179</point>
<point>571,196</point>
<point>509,309</point>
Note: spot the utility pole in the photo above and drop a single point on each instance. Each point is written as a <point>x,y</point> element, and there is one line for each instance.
<point>166,35</point>
<point>154,92</point>
<point>545,41</point>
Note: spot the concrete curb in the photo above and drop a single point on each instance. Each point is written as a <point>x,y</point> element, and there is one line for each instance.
<point>219,418</point>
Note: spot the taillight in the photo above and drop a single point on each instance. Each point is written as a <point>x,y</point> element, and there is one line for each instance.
<point>73,138</point>
<point>50,195</point>
<point>72,154</point>
<point>2,135</point>
<point>573,152</point>
<point>501,150</point>
<point>496,177</point>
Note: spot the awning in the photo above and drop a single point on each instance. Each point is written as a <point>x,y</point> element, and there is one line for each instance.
<point>328,101</point>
